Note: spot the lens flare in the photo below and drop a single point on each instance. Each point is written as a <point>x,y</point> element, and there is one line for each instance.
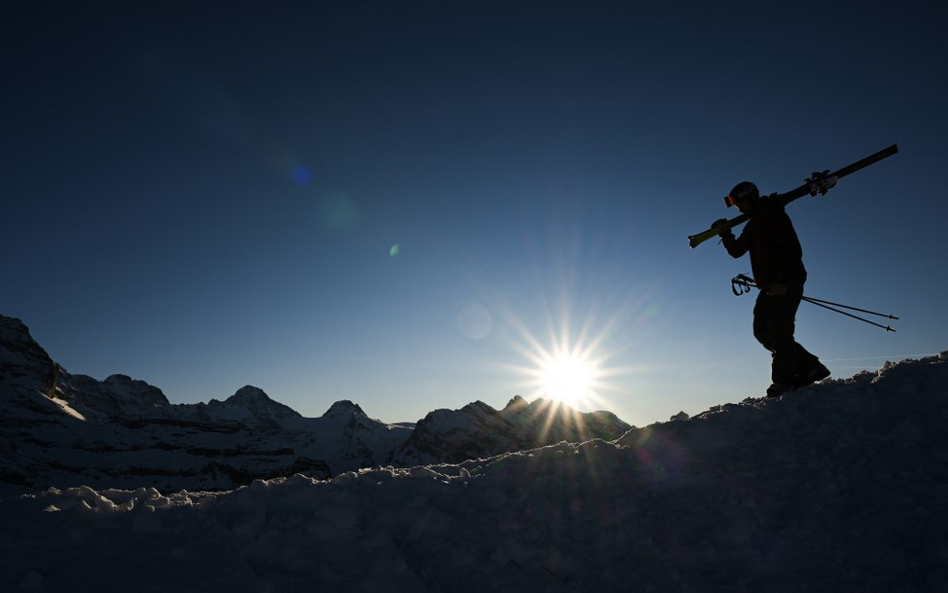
<point>301,175</point>
<point>474,322</point>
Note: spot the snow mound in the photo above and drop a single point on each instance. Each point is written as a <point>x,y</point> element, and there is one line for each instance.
<point>836,487</point>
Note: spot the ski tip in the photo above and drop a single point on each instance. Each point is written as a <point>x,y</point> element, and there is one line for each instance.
<point>888,151</point>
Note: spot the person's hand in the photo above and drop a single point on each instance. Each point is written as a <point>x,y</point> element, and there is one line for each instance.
<point>821,182</point>
<point>719,227</point>
<point>777,289</point>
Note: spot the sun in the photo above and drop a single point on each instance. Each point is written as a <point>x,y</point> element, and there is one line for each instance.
<point>566,371</point>
<point>565,359</point>
<point>569,379</point>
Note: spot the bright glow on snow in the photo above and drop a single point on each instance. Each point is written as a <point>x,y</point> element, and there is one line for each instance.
<point>64,405</point>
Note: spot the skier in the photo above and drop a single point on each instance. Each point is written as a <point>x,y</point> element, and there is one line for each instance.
<point>777,264</point>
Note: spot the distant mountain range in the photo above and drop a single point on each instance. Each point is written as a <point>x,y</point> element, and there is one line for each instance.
<point>60,430</point>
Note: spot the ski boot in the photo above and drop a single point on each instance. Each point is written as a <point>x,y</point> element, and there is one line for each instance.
<point>778,389</point>
<point>814,374</point>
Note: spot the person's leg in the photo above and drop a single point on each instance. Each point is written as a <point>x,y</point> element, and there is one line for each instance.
<point>806,367</point>
<point>774,324</point>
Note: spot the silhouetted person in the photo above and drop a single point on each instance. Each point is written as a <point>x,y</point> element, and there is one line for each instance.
<point>777,265</point>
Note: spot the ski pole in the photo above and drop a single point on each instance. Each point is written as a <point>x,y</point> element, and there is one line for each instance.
<point>818,303</point>
<point>742,284</point>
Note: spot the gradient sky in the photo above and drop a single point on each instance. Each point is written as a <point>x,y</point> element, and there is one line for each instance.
<point>405,204</point>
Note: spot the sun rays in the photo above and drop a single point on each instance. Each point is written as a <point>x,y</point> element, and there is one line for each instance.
<point>569,371</point>
<point>571,368</point>
<point>568,378</point>
<point>575,332</point>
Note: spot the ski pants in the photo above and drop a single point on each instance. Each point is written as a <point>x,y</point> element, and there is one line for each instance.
<point>774,324</point>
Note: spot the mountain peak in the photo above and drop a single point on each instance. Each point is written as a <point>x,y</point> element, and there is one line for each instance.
<point>255,401</point>
<point>249,394</point>
<point>12,326</point>
<point>23,362</point>
<point>343,407</point>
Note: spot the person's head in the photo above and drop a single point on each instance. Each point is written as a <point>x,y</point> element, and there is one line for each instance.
<point>744,196</point>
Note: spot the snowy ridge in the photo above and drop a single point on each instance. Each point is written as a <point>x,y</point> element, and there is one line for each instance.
<point>478,430</point>
<point>60,430</point>
<point>837,487</point>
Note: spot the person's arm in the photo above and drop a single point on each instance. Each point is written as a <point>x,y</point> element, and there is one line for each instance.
<point>736,247</point>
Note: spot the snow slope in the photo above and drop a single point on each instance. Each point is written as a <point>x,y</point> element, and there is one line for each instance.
<point>837,487</point>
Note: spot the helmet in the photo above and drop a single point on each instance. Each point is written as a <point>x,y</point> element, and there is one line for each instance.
<point>744,190</point>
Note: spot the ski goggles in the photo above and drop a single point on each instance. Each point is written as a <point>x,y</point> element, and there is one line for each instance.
<point>732,200</point>
<point>742,191</point>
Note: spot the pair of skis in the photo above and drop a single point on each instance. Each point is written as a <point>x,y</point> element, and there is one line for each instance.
<point>818,183</point>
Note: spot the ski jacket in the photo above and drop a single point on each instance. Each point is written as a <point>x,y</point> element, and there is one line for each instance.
<point>775,252</point>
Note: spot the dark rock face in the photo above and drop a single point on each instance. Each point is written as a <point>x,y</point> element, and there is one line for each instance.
<point>23,363</point>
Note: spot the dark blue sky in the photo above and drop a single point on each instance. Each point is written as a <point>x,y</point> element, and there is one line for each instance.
<point>206,195</point>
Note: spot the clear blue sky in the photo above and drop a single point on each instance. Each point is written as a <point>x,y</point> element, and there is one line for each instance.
<point>403,203</point>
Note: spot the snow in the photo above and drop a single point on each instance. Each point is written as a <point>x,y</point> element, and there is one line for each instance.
<point>66,408</point>
<point>837,487</point>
